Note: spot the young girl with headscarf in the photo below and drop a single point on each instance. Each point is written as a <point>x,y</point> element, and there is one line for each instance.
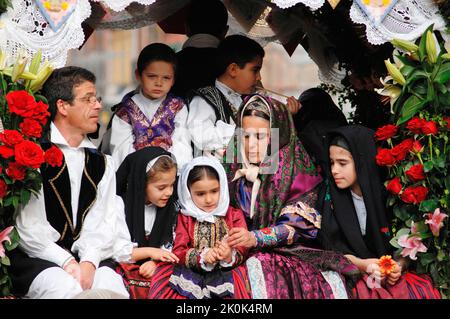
<point>145,181</point>
<point>208,266</point>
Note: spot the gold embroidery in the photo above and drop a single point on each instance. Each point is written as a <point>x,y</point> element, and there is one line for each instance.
<point>83,216</point>
<point>206,234</point>
<point>301,209</point>
<point>63,233</point>
<point>66,213</point>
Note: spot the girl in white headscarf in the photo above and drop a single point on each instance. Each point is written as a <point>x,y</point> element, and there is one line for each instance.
<point>208,266</point>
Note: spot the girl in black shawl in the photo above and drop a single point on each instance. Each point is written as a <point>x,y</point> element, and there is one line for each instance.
<point>355,217</point>
<point>145,181</point>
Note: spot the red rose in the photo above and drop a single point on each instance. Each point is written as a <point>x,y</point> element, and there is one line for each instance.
<point>429,127</point>
<point>417,147</point>
<point>54,156</point>
<point>3,188</point>
<point>394,186</point>
<point>11,137</point>
<point>29,154</point>
<point>31,128</point>
<point>6,152</point>
<point>401,150</point>
<point>21,103</point>
<point>415,125</point>
<point>414,195</point>
<point>385,132</point>
<point>415,173</point>
<point>16,171</point>
<point>385,158</point>
<point>41,113</point>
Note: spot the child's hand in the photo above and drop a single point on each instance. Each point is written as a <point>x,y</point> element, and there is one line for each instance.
<point>211,256</point>
<point>163,255</point>
<point>147,269</point>
<point>224,251</point>
<point>395,275</point>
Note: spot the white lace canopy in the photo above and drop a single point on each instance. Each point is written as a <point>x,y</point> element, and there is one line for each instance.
<point>25,27</point>
<point>407,20</point>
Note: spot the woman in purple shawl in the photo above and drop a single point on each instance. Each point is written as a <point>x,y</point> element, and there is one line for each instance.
<point>274,182</point>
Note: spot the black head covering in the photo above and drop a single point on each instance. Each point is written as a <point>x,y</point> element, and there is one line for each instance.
<point>131,186</point>
<point>316,117</point>
<point>316,104</point>
<point>340,230</point>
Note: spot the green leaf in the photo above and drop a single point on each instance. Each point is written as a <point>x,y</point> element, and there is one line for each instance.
<point>14,236</point>
<point>427,166</point>
<point>443,74</point>
<point>24,196</point>
<point>407,70</point>
<point>439,162</point>
<point>422,46</point>
<point>401,213</point>
<point>428,205</point>
<point>427,258</point>
<point>394,243</point>
<point>410,108</point>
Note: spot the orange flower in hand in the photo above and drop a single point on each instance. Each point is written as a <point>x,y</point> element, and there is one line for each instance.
<point>387,264</point>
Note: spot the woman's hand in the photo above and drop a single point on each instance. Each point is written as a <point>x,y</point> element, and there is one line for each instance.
<point>241,237</point>
<point>371,267</point>
<point>293,105</point>
<point>147,269</point>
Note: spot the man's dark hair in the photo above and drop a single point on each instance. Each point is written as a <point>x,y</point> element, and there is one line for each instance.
<point>156,52</point>
<point>237,49</point>
<point>207,16</point>
<point>61,83</point>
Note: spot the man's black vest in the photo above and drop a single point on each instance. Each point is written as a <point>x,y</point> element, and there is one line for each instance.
<point>57,193</point>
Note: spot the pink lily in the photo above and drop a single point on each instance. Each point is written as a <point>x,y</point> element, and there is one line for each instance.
<point>4,237</point>
<point>435,221</point>
<point>412,245</point>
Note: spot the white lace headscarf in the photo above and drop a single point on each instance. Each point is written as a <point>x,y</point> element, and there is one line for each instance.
<point>188,207</point>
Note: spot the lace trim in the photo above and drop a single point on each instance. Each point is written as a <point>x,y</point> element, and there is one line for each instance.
<point>336,284</point>
<point>256,278</point>
<point>25,28</point>
<point>313,4</point>
<point>199,292</point>
<point>407,20</point>
<point>119,5</point>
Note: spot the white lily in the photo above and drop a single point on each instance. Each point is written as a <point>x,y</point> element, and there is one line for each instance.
<point>390,91</point>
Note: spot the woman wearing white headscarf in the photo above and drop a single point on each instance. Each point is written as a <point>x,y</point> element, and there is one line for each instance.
<point>208,267</point>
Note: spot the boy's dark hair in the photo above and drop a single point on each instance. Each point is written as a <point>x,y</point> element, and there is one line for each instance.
<point>207,16</point>
<point>200,172</point>
<point>156,52</point>
<point>237,49</point>
<point>61,83</point>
